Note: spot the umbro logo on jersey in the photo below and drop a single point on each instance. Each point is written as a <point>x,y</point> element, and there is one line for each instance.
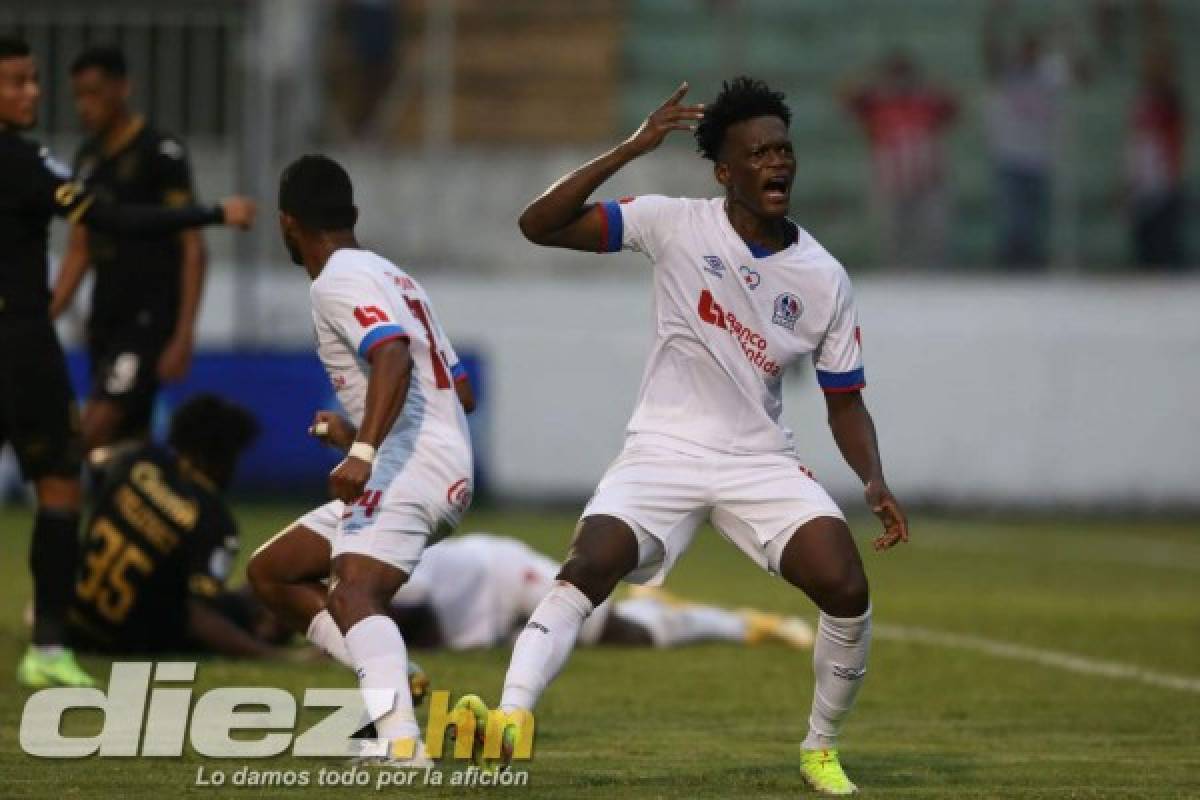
<point>714,266</point>
<point>788,309</point>
<point>752,278</point>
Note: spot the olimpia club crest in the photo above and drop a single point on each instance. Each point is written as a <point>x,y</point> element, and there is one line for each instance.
<point>788,309</point>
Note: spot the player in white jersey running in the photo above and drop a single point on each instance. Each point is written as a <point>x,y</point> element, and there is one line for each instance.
<point>407,474</point>
<point>741,294</point>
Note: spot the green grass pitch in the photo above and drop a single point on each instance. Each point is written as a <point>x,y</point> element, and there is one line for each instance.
<point>938,717</point>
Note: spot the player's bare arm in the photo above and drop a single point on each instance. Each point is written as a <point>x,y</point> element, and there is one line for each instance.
<point>74,266</point>
<point>466,393</point>
<point>176,357</point>
<point>222,636</point>
<point>854,432</point>
<point>391,369</point>
<point>147,220</point>
<point>562,216</point>
<point>333,429</point>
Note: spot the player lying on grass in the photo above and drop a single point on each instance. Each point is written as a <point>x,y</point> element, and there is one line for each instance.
<point>406,477</point>
<point>37,407</point>
<point>477,590</point>
<point>161,542</point>
<point>741,294</point>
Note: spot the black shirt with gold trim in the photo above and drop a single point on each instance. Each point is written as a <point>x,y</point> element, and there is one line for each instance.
<point>159,535</point>
<point>137,277</point>
<point>35,187</point>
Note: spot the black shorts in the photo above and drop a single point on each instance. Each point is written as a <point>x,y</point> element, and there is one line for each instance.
<point>124,366</point>
<point>38,413</point>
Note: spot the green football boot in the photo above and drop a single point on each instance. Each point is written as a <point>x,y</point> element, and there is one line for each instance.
<point>823,772</point>
<point>39,670</point>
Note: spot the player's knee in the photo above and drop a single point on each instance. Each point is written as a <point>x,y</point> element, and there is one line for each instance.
<point>99,423</point>
<point>847,594</point>
<point>59,494</point>
<point>595,577</point>
<point>349,603</point>
<point>260,574</point>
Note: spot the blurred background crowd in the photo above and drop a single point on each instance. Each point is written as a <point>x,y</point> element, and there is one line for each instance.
<point>970,134</point>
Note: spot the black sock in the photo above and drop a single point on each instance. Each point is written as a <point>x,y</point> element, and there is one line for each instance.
<point>53,559</point>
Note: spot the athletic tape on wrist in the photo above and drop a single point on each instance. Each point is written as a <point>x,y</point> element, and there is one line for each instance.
<point>363,452</point>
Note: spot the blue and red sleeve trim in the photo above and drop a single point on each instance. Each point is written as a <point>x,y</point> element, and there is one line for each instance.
<point>613,226</point>
<point>377,336</point>
<point>834,382</point>
<point>458,372</point>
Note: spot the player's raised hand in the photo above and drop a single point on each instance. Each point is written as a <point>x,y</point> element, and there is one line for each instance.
<point>239,211</point>
<point>885,506</point>
<point>349,479</point>
<point>670,116</point>
<point>333,429</point>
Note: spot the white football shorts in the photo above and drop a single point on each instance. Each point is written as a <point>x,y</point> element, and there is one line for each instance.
<point>393,524</point>
<point>664,493</point>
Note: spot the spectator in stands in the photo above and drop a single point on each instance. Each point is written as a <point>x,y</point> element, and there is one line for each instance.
<point>1023,106</point>
<point>905,119</point>
<point>1154,158</point>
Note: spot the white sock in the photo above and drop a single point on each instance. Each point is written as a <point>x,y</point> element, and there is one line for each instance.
<point>672,626</point>
<point>381,661</point>
<point>324,633</point>
<point>839,664</point>
<point>49,650</point>
<point>542,648</point>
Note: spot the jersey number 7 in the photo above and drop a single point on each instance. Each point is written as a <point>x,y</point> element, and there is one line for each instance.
<point>441,374</point>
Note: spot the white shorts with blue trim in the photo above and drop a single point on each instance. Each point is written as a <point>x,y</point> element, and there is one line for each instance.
<point>664,493</point>
<point>395,522</point>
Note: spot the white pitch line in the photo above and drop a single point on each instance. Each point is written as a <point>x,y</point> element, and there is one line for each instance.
<point>1036,655</point>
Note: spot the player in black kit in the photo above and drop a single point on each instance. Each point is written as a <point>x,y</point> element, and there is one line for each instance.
<point>147,290</point>
<point>37,410</point>
<point>161,542</point>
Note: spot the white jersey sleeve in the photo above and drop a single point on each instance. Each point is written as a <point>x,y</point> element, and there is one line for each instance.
<point>838,358</point>
<point>354,311</point>
<point>643,224</point>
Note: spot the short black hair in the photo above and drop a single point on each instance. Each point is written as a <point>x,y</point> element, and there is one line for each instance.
<point>106,58</point>
<point>316,190</point>
<point>741,99</point>
<point>12,47</point>
<point>212,432</point>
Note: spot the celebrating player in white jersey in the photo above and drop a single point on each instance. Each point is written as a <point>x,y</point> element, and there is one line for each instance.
<point>741,294</point>
<point>407,473</point>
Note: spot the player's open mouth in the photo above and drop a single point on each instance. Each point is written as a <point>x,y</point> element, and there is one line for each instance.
<point>776,189</point>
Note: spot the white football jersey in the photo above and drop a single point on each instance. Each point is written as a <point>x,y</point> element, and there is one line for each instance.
<point>728,324</point>
<point>361,300</point>
<point>481,587</point>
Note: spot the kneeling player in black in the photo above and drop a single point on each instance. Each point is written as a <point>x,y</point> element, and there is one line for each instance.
<point>161,543</point>
<point>37,411</point>
<point>147,291</point>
